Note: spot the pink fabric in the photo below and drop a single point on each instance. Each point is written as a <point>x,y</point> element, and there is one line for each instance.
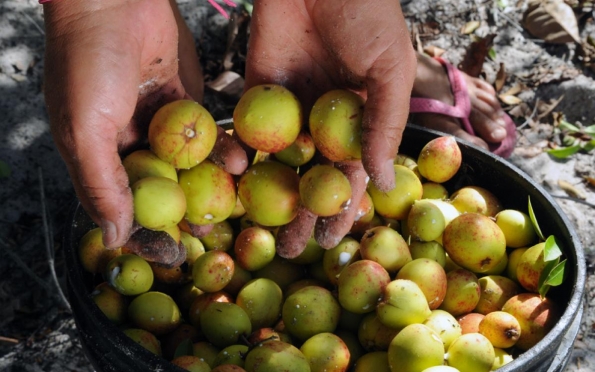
<point>44,1</point>
<point>218,7</point>
<point>461,110</point>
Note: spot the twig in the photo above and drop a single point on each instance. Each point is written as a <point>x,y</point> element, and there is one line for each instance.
<point>23,265</point>
<point>511,21</point>
<point>576,200</point>
<point>9,340</point>
<point>49,240</point>
<point>30,19</point>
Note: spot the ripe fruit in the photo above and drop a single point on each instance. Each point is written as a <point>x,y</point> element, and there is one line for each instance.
<point>129,274</point>
<point>406,355</point>
<point>397,202</point>
<point>182,133</point>
<point>336,125</point>
<point>428,218</point>
<point>433,190</point>
<point>501,328</point>
<point>324,190</point>
<point>111,303</point>
<point>360,285</point>
<point>403,303</point>
<point>474,242</point>
<point>326,352</point>
<point>201,302</point>
<point>310,311</point>
<point>336,259</point>
<point>224,323</point>
<point>212,271</point>
<point>476,199</point>
<point>93,255</point>
<point>495,291</point>
<point>159,202</point>
<point>269,191</point>
<point>299,152</point>
<point>144,163</point>
<point>274,356</point>
<point>210,193</point>
<point>440,159</point>
<point>430,278</point>
<point>385,246</point>
<point>470,322</point>
<point>462,292</point>
<point>513,262</point>
<point>155,312</point>
<point>254,248</point>
<point>268,118</point>
<point>191,363</point>
<point>530,266</point>
<point>471,352</point>
<point>517,228</point>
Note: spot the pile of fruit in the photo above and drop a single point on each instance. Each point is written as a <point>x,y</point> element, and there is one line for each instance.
<point>215,277</point>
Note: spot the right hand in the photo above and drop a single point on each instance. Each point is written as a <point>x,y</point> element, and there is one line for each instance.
<point>108,66</point>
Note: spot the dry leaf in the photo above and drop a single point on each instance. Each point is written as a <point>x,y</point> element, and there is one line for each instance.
<point>591,181</point>
<point>514,90</point>
<point>545,108</point>
<point>551,20</point>
<point>500,78</point>
<point>434,51</point>
<point>229,83</point>
<point>572,190</point>
<point>510,100</point>
<point>469,27</point>
<point>476,54</point>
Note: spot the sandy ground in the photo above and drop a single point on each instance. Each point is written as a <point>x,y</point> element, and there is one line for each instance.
<point>36,330</point>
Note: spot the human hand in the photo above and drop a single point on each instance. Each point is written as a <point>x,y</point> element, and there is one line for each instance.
<point>311,47</point>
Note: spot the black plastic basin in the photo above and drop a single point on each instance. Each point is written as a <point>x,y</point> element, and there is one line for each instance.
<point>108,349</point>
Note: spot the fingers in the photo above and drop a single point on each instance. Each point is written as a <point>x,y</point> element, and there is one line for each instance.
<point>293,237</point>
<point>330,230</point>
<point>229,154</point>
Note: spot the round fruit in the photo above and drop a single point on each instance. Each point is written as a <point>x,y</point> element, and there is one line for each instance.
<point>440,159</point>
<point>403,303</point>
<point>129,274</point>
<point>212,271</point>
<point>397,202</point>
<point>530,266</point>
<point>224,323</point>
<point>429,276</point>
<point>326,352</point>
<point>144,163</point>
<point>310,311</point>
<point>275,356</point>
<point>471,352</point>
<point>254,248</point>
<point>325,190</point>
<point>501,328</point>
<point>93,255</point>
<point>261,299</point>
<point>476,199</point>
<point>360,285</point>
<point>145,339</point>
<point>155,312</point>
<point>159,202</point>
<point>517,228</point>
<point>462,292</point>
<point>298,153</point>
<point>415,348</point>
<point>385,246</point>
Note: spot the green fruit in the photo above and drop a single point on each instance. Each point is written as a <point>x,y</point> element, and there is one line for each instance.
<point>462,292</point>
<point>111,303</point>
<point>428,218</point>
<point>205,351</point>
<point>129,274</point>
<point>495,291</point>
<point>445,325</point>
<point>351,340</point>
<point>325,190</point>
<point>145,339</point>
<point>440,159</point>
<point>212,271</point>
<point>474,242</point>
<point>326,352</point>
<point>336,259</point>
<point>275,356</point>
<point>268,118</point>
<point>475,199</point>
<point>471,352</point>
<point>502,358</point>
<point>433,190</point>
<point>191,363</point>
<point>376,361</point>
<point>281,271</point>
<point>144,163</point>
<point>233,354</point>
<point>159,202</point>
<point>155,312</point>
<point>261,299</point>
<point>220,238</point>
<point>360,286</point>
<point>530,266</point>
<point>93,255</point>
<point>312,253</point>
<point>441,369</point>
<point>310,311</point>
<point>517,228</point>
<point>300,152</point>
<point>373,335</point>
<point>269,191</point>
<point>414,349</point>
<point>254,248</point>
<point>224,323</point>
<point>429,276</point>
<point>238,280</point>
<point>201,302</point>
<point>182,133</point>
<point>336,125</point>
<point>179,339</point>
<point>385,246</point>
<point>397,202</point>
<point>403,303</point>
<point>431,250</point>
<point>210,193</point>
<point>513,262</point>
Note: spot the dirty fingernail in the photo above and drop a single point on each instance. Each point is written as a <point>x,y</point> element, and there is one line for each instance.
<point>499,133</point>
<point>110,233</point>
<point>388,175</point>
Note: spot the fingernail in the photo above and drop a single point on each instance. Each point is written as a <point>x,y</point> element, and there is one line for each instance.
<point>499,133</point>
<point>110,233</point>
<point>388,175</point>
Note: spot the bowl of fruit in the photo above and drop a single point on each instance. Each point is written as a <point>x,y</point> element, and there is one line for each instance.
<point>467,265</point>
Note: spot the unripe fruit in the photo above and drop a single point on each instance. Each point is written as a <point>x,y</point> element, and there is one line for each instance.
<point>275,356</point>
<point>502,358</point>
<point>210,193</point>
<point>233,354</point>
<point>501,328</point>
<point>336,125</point>
<point>360,286</point>
<point>433,190</point>
<point>224,323</point>
<point>517,228</point>
<point>440,159</point>
<point>145,339</point>
<point>155,312</point>
<point>144,163</point>
<point>514,258</point>
<point>326,352</point>
<point>471,352</point>
<point>376,361</point>
<point>261,299</point>
<point>93,255</point>
<point>336,259</point>
<point>530,267</point>
<point>111,303</point>
<point>268,118</point>
<point>385,246</point>
<point>429,276</point>
<point>300,152</point>
<point>182,133</point>
<point>397,202</point>
<point>310,311</point>
<point>431,250</point>
<point>212,271</point>
<point>206,351</point>
<point>324,190</point>
<point>405,353</point>
<point>445,325</point>
<point>403,303</point>
<point>373,335</point>
<point>129,274</point>
<point>159,202</point>
<point>269,191</point>
<point>191,363</point>
<point>202,301</point>
<point>428,218</point>
<point>495,291</point>
<point>475,199</point>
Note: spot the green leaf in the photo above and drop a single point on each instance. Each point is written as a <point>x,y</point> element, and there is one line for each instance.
<point>551,251</point>
<point>568,126</point>
<point>5,170</point>
<point>547,269</point>
<point>589,145</point>
<point>534,221</point>
<point>590,130</point>
<point>492,54</point>
<point>557,275</point>
<point>564,152</point>
<point>184,348</point>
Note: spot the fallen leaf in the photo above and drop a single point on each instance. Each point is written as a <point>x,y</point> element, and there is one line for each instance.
<point>572,190</point>
<point>476,54</point>
<point>510,100</point>
<point>228,82</point>
<point>434,51</point>
<point>469,27</point>
<point>514,90</point>
<point>500,78</point>
<point>590,180</point>
<point>551,20</point>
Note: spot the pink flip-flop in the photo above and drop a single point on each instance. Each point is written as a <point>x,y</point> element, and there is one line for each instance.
<point>462,109</point>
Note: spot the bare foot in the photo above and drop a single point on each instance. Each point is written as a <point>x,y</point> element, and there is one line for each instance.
<point>486,115</point>
<point>189,67</point>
